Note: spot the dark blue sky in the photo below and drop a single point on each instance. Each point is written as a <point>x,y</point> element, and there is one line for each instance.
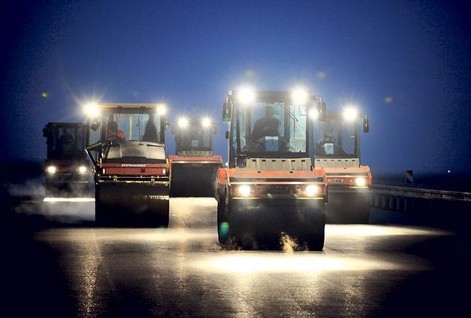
<point>405,63</point>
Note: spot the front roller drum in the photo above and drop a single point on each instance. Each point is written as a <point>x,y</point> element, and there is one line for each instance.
<point>193,180</point>
<point>255,224</point>
<point>132,204</point>
<point>348,207</point>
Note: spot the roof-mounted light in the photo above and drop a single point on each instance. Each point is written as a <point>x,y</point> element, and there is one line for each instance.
<point>161,109</point>
<point>91,109</point>
<point>350,113</point>
<point>183,122</point>
<point>300,96</point>
<point>206,122</point>
<point>246,95</point>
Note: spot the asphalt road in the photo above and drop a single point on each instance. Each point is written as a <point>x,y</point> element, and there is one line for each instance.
<point>56,263</point>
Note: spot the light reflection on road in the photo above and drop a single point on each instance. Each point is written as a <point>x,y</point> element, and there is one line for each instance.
<point>248,263</point>
<point>186,264</point>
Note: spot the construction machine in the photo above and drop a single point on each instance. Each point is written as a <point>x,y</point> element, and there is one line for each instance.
<point>127,148</point>
<point>194,165</point>
<point>338,153</point>
<point>67,168</point>
<point>270,189</point>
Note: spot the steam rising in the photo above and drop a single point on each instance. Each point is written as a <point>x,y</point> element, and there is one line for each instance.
<point>33,203</point>
<point>287,243</point>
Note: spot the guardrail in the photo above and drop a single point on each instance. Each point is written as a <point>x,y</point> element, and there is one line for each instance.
<point>409,198</point>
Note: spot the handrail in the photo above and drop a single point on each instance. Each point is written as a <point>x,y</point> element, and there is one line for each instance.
<point>421,193</point>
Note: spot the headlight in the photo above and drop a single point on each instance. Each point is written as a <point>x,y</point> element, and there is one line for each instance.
<point>161,109</point>
<point>300,96</point>
<point>350,113</point>
<point>183,122</point>
<point>246,95</point>
<point>51,169</point>
<point>244,190</point>
<point>82,169</point>
<point>91,109</point>
<point>313,114</point>
<point>312,190</point>
<point>360,181</point>
<point>206,122</point>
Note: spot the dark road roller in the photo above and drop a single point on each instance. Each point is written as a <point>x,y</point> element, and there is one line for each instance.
<point>67,169</point>
<point>131,171</point>
<point>194,165</point>
<point>270,188</point>
<point>338,153</point>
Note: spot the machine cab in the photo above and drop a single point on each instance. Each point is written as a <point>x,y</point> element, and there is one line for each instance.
<point>132,131</point>
<point>338,136</point>
<point>65,141</point>
<point>194,137</point>
<point>271,124</point>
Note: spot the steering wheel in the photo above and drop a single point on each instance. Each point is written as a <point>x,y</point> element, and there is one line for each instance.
<point>329,140</point>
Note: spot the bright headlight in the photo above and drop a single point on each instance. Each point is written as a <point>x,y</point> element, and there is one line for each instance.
<point>244,190</point>
<point>312,190</point>
<point>360,181</point>
<point>183,122</point>
<point>300,96</point>
<point>350,113</point>
<point>161,109</point>
<point>246,95</point>
<point>206,122</point>
<point>91,110</point>
<point>82,169</point>
<point>313,114</point>
<point>51,169</point>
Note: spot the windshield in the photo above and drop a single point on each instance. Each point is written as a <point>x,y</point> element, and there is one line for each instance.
<point>128,124</point>
<point>66,141</point>
<point>269,128</point>
<point>193,137</point>
<point>135,152</point>
<point>336,137</point>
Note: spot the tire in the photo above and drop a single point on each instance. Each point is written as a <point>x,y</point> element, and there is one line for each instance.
<point>312,228</point>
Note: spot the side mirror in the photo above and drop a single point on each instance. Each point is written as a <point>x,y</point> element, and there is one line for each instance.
<point>226,112</point>
<point>321,110</point>
<point>94,125</point>
<point>366,125</point>
<point>44,132</point>
<point>227,134</point>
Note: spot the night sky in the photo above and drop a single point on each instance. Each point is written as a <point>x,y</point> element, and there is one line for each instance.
<point>406,64</point>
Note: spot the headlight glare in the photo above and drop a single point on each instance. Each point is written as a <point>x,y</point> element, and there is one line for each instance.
<point>244,190</point>
<point>91,109</point>
<point>206,122</point>
<point>300,96</point>
<point>312,190</point>
<point>183,122</point>
<point>313,114</point>
<point>246,95</point>
<point>51,169</point>
<point>82,169</point>
<point>161,109</point>
<point>360,181</point>
<point>350,113</point>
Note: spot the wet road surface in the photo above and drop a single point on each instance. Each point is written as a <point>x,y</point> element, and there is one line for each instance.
<point>56,263</point>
